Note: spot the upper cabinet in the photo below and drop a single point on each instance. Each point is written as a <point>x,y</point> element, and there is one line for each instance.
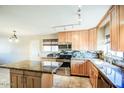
<point>92,42</point>
<point>76,40</point>
<point>121,32</point>
<point>62,37</point>
<point>84,40</point>
<point>81,40</point>
<point>117,28</point>
<point>114,26</point>
<point>69,36</point>
<point>65,37</point>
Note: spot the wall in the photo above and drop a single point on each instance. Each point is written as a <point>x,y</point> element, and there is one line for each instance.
<point>50,36</point>
<point>28,47</point>
<point>36,46</point>
<point>12,52</point>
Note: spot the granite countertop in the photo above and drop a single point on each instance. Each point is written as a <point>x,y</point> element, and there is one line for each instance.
<point>114,74</point>
<point>55,59</point>
<point>31,66</point>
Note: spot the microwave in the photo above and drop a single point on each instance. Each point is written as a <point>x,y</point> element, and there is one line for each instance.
<point>65,46</point>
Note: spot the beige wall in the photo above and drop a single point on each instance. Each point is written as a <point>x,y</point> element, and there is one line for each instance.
<point>36,46</point>
<point>28,47</point>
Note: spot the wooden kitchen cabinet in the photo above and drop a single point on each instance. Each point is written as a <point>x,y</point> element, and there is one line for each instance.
<point>102,83</point>
<point>79,68</point>
<point>65,37</point>
<point>92,41</point>
<point>80,40</point>
<point>25,79</point>
<point>84,40</point>
<point>74,68</point>
<point>76,40</point>
<point>89,64</point>
<point>47,80</point>
<point>121,31</point>
<point>114,25</point>
<point>32,79</point>
<point>94,76</point>
<point>16,78</point>
<point>32,82</point>
<point>69,37</point>
<point>117,28</point>
<point>83,69</point>
<point>16,81</point>
<point>62,37</point>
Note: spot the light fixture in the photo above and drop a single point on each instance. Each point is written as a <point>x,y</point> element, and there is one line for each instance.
<point>72,25</point>
<point>14,37</point>
<point>79,14</point>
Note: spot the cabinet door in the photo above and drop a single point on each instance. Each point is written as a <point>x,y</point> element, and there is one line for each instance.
<point>32,82</point>
<point>69,37</point>
<point>62,37</point>
<point>121,32</point>
<point>76,40</point>
<point>47,80</point>
<point>16,80</point>
<point>84,40</point>
<point>95,79</point>
<point>102,83</point>
<point>114,24</point>
<point>88,68</point>
<point>83,69</point>
<point>75,68</point>
<point>95,76</point>
<point>92,39</point>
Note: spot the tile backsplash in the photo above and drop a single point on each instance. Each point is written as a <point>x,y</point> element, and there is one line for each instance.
<point>118,61</point>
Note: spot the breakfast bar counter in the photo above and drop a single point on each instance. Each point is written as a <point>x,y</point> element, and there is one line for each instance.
<point>37,66</point>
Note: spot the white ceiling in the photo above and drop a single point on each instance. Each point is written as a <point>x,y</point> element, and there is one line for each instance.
<point>33,20</point>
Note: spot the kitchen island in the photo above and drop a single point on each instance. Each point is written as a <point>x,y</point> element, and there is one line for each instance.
<point>30,74</point>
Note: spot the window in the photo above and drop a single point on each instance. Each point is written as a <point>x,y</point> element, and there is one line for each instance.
<point>50,45</point>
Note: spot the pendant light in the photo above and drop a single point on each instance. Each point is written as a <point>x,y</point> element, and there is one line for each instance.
<point>79,14</point>
<point>14,37</point>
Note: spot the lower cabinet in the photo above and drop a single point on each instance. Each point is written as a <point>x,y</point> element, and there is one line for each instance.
<point>16,78</point>
<point>79,68</point>
<point>32,82</point>
<point>93,76</point>
<point>97,80</point>
<point>74,68</point>
<point>16,81</point>
<point>30,79</point>
<point>102,83</point>
<point>83,69</point>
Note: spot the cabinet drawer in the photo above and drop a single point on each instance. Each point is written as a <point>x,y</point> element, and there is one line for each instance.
<point>16,71</point>
<point>31,73</point>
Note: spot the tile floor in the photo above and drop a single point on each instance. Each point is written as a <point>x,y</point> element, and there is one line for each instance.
<point>62,80</point>
<point>70,82</point>
<point>4,78</point>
